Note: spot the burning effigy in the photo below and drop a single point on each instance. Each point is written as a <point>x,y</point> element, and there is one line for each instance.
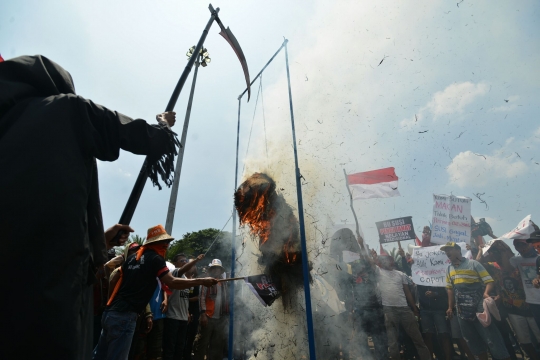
<point>272,222</point>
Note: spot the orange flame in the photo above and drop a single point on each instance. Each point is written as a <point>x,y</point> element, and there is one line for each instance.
<point>258,214</point>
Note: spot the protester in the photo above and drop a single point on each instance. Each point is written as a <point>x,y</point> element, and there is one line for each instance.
<point>526,263</point>
<point>194,313</point>
<point>534,240</point>
<point>49,140</point>
<point>159,303</point>
<point>426,237</point>
<point>398,306</point>
<point>464,283</point>
<point>431,299</point>
<point>132,292</point>
<point>512,293</point>
<point>367,313</point>
<point>214,319</point>
<point>176,323</point>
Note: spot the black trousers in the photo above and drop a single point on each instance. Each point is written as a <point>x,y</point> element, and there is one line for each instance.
<point>174,339</point>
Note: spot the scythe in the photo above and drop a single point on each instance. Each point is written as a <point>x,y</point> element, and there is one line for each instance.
<point>135,195</point>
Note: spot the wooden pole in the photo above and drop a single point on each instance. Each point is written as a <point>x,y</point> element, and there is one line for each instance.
<point>360,239</point>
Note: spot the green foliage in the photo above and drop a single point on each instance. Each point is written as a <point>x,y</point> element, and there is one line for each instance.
<point>119,250</point>
<point>198,242</point>
<point>136,239</point>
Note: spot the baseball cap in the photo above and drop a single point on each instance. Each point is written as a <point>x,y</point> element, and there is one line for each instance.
<point>450,245</point>
<point>534,237</point>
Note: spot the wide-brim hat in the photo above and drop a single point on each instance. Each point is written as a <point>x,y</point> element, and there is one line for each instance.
<point>156,234</point>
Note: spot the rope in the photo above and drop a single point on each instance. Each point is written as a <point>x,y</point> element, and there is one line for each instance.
<point>252,121</point>
<point>217,236</point>
<point>264,123</point>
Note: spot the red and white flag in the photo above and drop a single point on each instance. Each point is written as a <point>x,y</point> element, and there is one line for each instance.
<point>381,183</point>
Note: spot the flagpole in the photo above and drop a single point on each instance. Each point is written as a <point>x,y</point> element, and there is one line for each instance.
<point>180,158</point>
<point>360,238</point>
<point>305,267</point>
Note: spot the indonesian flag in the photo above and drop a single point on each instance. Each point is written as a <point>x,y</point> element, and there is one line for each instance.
<point>382,252</point>
<point>380,183</point>
<point>1,58</point>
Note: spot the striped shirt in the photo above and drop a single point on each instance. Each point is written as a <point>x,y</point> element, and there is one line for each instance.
<point>469,272</point>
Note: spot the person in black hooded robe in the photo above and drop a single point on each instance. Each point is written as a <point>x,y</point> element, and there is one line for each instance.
<point>51,229</point>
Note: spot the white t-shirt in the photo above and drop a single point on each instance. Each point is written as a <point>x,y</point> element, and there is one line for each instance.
<point>527,270</point>
<point>391,287</point>
<point>178,302</point>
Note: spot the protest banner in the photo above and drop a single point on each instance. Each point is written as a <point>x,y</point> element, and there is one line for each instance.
<point>451,219</point>
<point>399,229</point>
<point>430,264</point>
<point>523,231</point>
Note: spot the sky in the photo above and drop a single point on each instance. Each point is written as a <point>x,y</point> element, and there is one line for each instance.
<point>444,92</point>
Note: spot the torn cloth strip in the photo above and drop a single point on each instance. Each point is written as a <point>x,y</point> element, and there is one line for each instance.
<point>381,183</point>
<point>263,288</point>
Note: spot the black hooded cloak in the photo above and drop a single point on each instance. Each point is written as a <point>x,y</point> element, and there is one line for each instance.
<point>51,230</point>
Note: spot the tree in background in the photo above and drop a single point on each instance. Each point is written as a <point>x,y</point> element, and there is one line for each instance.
<point>119,250</point>
<point>198,242</point>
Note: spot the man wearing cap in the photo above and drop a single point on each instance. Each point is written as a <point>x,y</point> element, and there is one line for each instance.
<point>133,291</point>
<point>527,262</point>
<point>465,281</point>
<point>214,319</point>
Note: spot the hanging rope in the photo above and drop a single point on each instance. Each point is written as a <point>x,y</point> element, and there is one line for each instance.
<point>264,124</point>
<point>217,236</point>
<point>252,121</point>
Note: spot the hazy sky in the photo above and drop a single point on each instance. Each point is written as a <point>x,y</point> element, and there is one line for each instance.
<point>453,107</point>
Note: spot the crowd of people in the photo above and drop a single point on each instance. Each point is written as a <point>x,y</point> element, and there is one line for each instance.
<point>488,307</point>
<point>153,312</point>
<point>56,256</point>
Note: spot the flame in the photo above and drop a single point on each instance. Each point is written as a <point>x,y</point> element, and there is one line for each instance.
<point>290,257</point>
<point>268,217</point>
<point>257,213</point>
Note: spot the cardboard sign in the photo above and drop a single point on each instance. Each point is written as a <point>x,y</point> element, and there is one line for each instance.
<point>451,219</point>
<point>399,229</point>
<point>430,264</point>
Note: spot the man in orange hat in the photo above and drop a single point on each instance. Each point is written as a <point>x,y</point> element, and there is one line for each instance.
<point>133,290</point>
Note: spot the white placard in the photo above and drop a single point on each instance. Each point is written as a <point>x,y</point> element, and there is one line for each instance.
<point>430,264</point>
<point>522,231</point>
<point>451,219</point>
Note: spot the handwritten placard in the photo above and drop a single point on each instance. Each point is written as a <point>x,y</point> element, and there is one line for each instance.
<point>451,219</point>
<point>430,264</point>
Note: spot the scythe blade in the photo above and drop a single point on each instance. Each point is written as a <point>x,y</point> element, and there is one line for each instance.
<point>231,39</point>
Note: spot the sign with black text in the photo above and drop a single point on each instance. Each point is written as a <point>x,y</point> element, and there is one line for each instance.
<point>399,229</point>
